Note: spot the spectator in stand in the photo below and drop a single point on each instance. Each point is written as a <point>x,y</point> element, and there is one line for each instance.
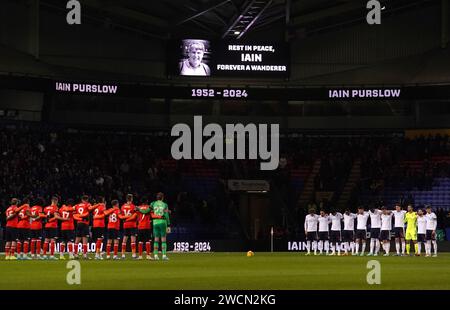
<point>70,162</point>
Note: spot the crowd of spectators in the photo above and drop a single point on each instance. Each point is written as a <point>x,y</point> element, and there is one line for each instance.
<point>386,164</point>
<point>40,161</point>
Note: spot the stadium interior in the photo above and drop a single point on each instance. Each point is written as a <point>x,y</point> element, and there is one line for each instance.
<point>334,154</point>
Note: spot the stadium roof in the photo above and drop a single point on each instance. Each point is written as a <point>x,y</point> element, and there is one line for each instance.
<point>228,18</point>
<point>309,25</point>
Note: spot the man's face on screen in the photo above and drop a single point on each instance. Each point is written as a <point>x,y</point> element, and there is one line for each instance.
<point>195,56</point>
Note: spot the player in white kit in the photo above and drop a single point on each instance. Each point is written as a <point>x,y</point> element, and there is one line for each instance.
<point>311,221</point>
<point>421,230</point>
<point>335,233</point>
<point>361,230</point>
<point>324,222</point>
<point>399,229</point>
<point>348,233</point>
<point>386,226</point>
<point>375,228</point>
<point>431,232</point>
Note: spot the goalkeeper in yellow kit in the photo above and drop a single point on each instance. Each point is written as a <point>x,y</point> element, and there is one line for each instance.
<point>411,230</point>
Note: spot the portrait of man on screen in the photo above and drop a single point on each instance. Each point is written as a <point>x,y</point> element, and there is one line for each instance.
<point>195,57</point>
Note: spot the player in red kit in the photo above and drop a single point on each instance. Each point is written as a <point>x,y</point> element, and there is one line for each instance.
<point>113,229</point>
<point>98,227</point>
<point>23,230</point>
<point>51,228</point>
<point>144,229</point>
<point>67,229</point>
<point>36,216</point>
<point>129,217</point>
<point>11,226</point>
<point>82,231</point>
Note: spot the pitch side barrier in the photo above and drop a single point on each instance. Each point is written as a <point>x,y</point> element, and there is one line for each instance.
<point>236,245</point>
<point>279,245</point>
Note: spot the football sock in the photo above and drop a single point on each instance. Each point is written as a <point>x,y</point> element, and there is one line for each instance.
<point>45,247</point>
<point>140,248</point>
<point>52,247</point>
<point>19,247</point>
<point>38,246</point>
<point>84,248</point>
<point>148,247</point>
<point>33,246</point>
<point>372,246</point>
<point>98,245</point>
<point>434,246</point>
<point>155,247</point>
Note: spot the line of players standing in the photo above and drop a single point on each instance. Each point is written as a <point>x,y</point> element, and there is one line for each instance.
<point>27,226</point>
<point>421,229</point>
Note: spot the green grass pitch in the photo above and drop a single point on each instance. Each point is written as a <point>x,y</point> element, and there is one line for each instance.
<point>222,271</point>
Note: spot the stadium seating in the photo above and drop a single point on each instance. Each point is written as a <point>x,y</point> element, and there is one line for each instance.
<point>438,195</point>
<point>48,148</point>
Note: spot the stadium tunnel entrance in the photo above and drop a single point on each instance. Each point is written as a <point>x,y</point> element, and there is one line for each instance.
<point>254,211</point>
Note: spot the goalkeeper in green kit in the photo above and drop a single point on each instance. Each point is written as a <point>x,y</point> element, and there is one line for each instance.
<point>161,225</point>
